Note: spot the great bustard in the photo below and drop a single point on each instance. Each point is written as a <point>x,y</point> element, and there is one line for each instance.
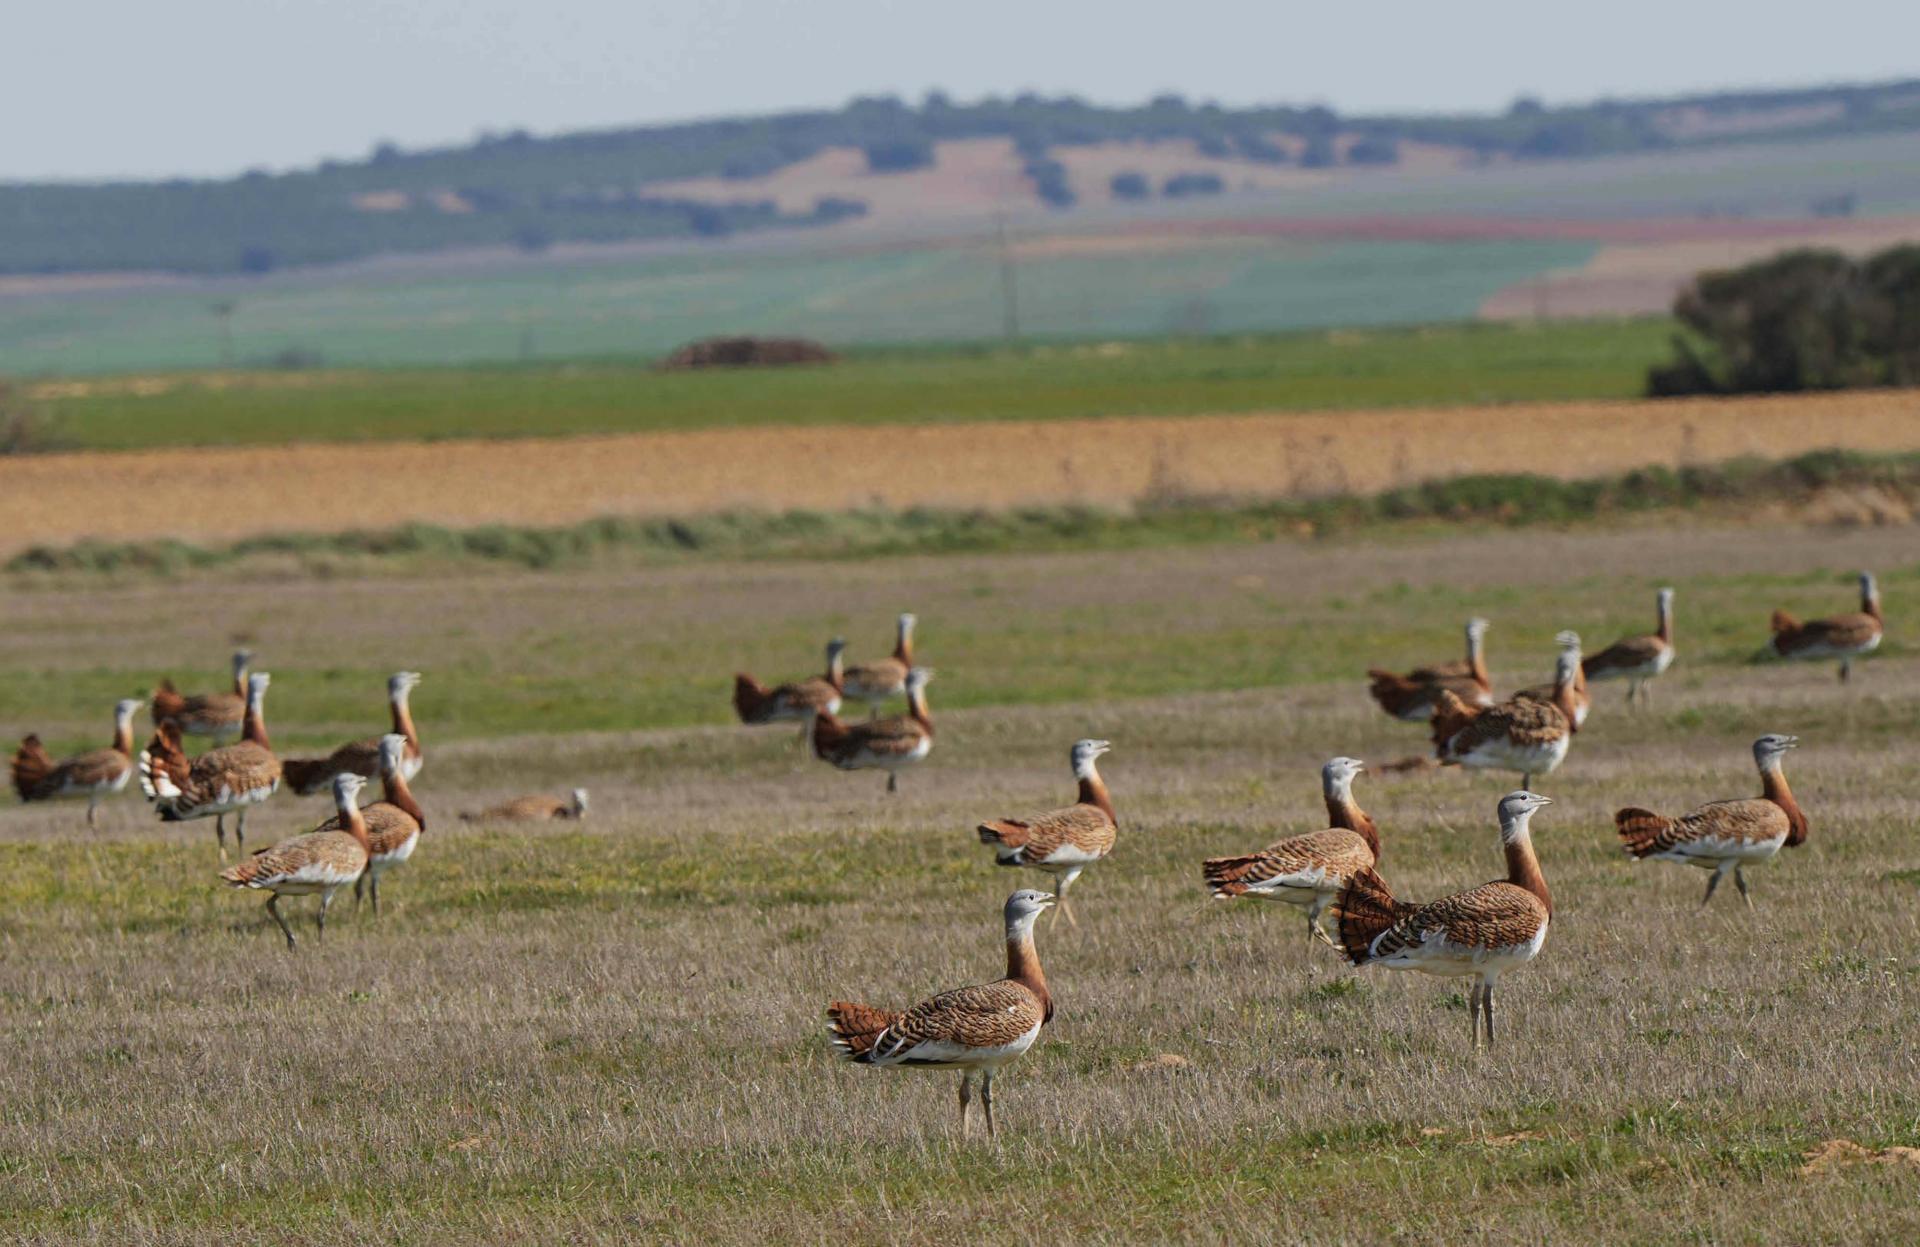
<point>1411,697</point>
<point>1724,836</point>
<point>393,825</point>
<point>1845,637</point>
<point>95,774</point>
<point>1480,934</point>
<point>1309,870</point>
<point>227,780</point>
<point>321,861</point>
<point>886,678</point>
<point>889,745</point>
<point>1061,842</point>
<point>1638,660</point>
<point>1577,700</point>
<point>218,715</point>
<point>972,1029</point>
<point>535,808</point>
<point>1519,734</point>
<point>362,757</point>
<point>754,702</point>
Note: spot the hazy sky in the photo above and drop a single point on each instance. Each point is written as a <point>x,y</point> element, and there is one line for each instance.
<point>133,87</point>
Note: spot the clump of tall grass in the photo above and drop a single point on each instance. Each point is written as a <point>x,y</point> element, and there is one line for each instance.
<point>1512,499</point>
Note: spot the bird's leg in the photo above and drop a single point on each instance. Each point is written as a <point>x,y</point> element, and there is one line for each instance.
<point>1740,881</point>
<point>1846,669</point>
<point>1060,896</point>
<point>1526,781</point>
<point>893,782</point>
<point>373,891</point>
<point>220,830</point>
<point>359,883</point>
<point>240,833</point>
<point>873,711</point>
<point>1473,1012</point>
<point>1486,1007</point>
<point>273,909</point>
<point>966,1098</point>
<point>93,811</point>
<point>1314,930</point>
<point>986,1098</point>
<point>320,919</point>
<point>1713,881</point>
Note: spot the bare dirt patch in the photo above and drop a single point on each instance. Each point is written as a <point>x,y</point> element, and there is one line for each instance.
<point>1635,277</point>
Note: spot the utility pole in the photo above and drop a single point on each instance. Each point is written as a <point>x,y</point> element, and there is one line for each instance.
<point>224,311</point>
<point>1009,293</point>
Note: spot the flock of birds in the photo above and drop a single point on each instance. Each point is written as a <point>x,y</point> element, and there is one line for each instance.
<point>356,846</point>
<point>1478,934</point>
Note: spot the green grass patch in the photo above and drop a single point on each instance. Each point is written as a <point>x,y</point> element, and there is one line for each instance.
<point>1438,364</point>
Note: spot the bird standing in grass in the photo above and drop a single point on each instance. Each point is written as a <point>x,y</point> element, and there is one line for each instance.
<point>1638,660</point>
<point>754,702</point>
<point>362,757</point>
<point>321,861</point>
<point>1845,637</point>
<point>1577,701</point>
<point>972,1029</point>
<point>1480,934</point>
<point>1724,836</point>
<point>218,715</point>
<point>227,780</point>
<point>889,745</point>
<point>1312,869</point>
<point>1061,842</point>
<point>884,679</point>
<point>1411,697</point>
<point>393,825</point>
<point>95,774</point>
<point>1520,734</point>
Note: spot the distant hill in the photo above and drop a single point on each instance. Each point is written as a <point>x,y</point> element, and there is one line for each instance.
<point>876,156</point>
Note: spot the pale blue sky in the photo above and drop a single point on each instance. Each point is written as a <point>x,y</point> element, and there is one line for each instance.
<point>104,87</point>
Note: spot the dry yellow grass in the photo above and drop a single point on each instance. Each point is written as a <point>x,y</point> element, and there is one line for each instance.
<point>611,1033</point>
<point>213,493</point>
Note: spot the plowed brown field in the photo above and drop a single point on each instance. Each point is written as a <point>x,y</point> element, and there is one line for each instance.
<point>212,494</point>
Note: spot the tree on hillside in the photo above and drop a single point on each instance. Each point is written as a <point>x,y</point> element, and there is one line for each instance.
<point>900,155</point>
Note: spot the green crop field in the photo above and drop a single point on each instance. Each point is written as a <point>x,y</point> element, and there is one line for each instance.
<point>1444,364</point>
<point>644,307</point>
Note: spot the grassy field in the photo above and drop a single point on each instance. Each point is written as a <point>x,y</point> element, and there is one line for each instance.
<point>645,307</point>
<point>611,1033</point>
<point>1462,363</point>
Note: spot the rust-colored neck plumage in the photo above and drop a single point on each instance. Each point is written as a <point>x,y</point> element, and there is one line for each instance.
<point>255,727</point>
<point>1023,965</point>
<point>1565,698</point>
<point>403,720</point>
<point>1093,791</point>
<point>354,823</point>
<point>1666,622</point>
<point>1477,660</point>
<point>1774,788</point>
<point>1344,811</point>
<point>400,796</point>
<point>1523,868</point>
<point>917,707</point>
<point>903,646</point>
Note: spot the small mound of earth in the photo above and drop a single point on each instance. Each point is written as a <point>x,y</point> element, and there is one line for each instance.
<point>747,353</point>
<point>1845,1153</point>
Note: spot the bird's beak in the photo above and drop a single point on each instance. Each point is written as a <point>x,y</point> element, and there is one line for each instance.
<point>1047,900</point>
